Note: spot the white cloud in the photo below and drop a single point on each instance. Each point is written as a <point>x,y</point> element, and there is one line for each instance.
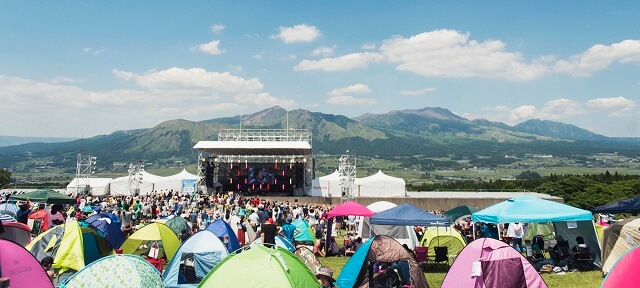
<point>368,46</point>
<point>61,80</point>
<point>561,108</point>
<point>259,55</point>
<point>614,106</point>
<point>346,62</point>
<point>497,108</point>
<point>350,100</point>
<point>211,48</point>
<point>323,51</point>
<point>419,92</point>
<point>93,51</point>
<point>353,89</point>
<point>599,57</point>
<point>522,113</point>
<point>217,28</point>
<point>298,33</point>
<point>449,53</point>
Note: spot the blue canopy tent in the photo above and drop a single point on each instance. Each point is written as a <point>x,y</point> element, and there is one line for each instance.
<point>109,225</point>
<point>205,250</point>
<point>408,215</point>
<point>225,233</point>
<point>569,222</point>
<point>631,205</point>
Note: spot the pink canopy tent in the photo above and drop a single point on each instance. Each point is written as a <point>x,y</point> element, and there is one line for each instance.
<point>22,269</point>
<point>499,266</point>
<point>350,208</point>
<point>624,272</point>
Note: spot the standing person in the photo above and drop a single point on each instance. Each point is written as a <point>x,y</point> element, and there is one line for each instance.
<point>517,232</point>
<point>268,233</point>
<point>289,230</point>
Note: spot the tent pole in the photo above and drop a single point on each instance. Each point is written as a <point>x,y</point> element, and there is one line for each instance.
<point>473,229</point>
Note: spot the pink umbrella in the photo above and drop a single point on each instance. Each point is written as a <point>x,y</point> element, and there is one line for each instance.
<point>350,208</point>
<point>21,267</point>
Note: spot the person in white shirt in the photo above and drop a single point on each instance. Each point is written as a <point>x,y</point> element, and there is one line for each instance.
<point>516,230</point>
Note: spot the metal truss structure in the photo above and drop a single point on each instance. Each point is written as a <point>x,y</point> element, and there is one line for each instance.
<point>85,167</point>
<point>347,174</point>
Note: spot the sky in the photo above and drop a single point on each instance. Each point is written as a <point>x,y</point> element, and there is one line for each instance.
<point>85,68</point>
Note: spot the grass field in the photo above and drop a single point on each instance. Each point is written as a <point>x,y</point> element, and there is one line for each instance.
<point>568,280</point>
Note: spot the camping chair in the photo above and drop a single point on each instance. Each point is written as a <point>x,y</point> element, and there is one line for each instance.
<point>442,255</point>
<point>582,259</point>
<point>421,255</point>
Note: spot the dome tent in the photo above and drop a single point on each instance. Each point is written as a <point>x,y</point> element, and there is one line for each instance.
<point>443,236</point>
<point>109,225</point>
<point>618,239</point>
<point>116,271</point>
<point>178,225</point>
<point>222,230</point>
<point>269,267</point>
<point>22,269</point>
<point>153,233</point>
<point>205,250</point>
<point>16,232</point>
<point>624,272</point>
<point>306,255</point>
<point>280,242</point>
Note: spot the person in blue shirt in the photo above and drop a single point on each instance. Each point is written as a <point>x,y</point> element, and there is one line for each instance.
<point>289,230</point>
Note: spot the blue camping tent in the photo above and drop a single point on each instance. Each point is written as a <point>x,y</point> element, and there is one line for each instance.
<point>280,242</point>
<point>109,225</point>
<point>408,215</point>
<point>224,231</point>
<point>568,222</point>
<point>205,250</point>
<point>631,205</point>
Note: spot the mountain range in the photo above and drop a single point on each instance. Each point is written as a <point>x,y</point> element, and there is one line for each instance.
<point>425,132</point>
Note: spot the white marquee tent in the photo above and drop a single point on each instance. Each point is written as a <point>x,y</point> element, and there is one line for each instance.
<point>173,182</point>
<point>380,185</point>
<point>120,185</point>
<point>98,186</point>
<point>327,186</point>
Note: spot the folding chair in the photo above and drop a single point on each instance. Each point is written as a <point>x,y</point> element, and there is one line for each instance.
<point>583,259</point>
<point>442,255</point>
<point>421,255</point>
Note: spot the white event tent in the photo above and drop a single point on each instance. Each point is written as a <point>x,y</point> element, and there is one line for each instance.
<point>327,186</point>
<point>173,182</point>
<point>121,185</point>
<point>380,185</point>
<point>97,186</point>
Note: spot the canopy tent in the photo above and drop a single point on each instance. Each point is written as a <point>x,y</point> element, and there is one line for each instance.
<point>123,186</point>
<point>225,233</point>
<point>280,242</point>
<point>109,225</point>
<point>97,186</point>
<point>384,249</point>
<point>440,237</point>
<point>205,250</point>
<point>500,266</point>
<point>173,182</point>
<point>350,208</point>
<point>568,221</point>
<point>326,186</point>
<point>625,272</point>
<point>116,271</point>
<point>380,185</point>
<point>16,232</point>
<point>22,269</point>
<point>455,214</point>
<point>153,233</point>
<point>47,196</point>
<point>631,205</point>
<point>406,214</point>
<point>618,239</point>
<point>264,267</point>
<point>401,233</point>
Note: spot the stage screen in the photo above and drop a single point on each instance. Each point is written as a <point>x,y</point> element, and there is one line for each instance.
<point>261,178</point>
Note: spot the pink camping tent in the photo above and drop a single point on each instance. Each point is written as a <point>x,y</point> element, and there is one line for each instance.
<point>497,265</point>
<point>350,208</point>
<point>22,269</point>
<point>624,272</point>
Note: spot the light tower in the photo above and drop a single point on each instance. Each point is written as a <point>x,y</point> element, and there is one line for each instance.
<point>347,174</point>
<point>135,177</point>
<point>85,167</point>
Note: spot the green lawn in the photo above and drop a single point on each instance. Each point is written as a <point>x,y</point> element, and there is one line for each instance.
<point>576,279</point>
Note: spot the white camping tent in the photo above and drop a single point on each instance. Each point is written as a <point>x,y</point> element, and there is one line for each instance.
<point>380,185</point>
<point>327,186</point>
<point>97,186</point>
<point>402,234</point>
<point>120,185</point>
<point>173,182</point>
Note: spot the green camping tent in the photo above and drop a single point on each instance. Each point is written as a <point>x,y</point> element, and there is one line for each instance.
<point>47,196</point>
<point>454,214</point>
<point>443,237</point>
<point>267,267</point>
<point>545,229</point>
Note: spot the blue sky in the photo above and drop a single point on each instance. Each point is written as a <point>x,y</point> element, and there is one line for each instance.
<point>83,68</point>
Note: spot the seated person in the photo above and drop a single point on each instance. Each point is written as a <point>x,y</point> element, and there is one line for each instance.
<point>352,247</point>
<point>333,248</point>
<point>581,254</point>
<point>560,251</point>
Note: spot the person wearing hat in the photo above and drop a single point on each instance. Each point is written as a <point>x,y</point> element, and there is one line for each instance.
<point>325,277</point>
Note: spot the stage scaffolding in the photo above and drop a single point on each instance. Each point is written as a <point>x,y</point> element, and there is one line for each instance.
<point>278,146</point>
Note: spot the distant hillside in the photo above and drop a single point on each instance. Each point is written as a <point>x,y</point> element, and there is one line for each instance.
<point>15,140</point>
<point>558,130</point>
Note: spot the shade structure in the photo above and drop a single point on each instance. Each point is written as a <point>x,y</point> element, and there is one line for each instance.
<point>204,249</point>
<point>116,271</point>
<point>280,242</point>
<point>350,208</point>
<point>454,214</point>
<point>263,267</point>
<point>47,196</point>
<point>631,205</point>
<point>407,214</point>
<point>16,232</point>
<point>109,225</point>
<point>224,231</point>
<point>401,233</point>
<point>152,233</point>
<point>625,272</point>
<point>22,269</point>
<point>530,209</point>
<point>500,266</point>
